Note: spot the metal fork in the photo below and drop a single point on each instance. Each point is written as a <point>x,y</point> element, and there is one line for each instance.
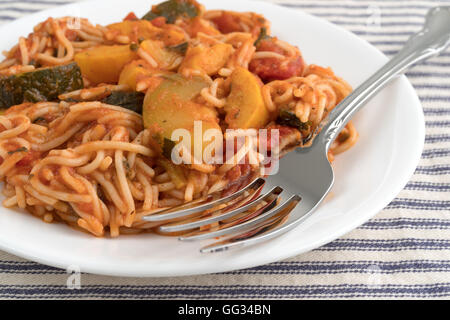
<point>246,218</point>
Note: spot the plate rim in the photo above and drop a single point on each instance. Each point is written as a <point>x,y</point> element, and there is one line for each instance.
<point>102,270</point>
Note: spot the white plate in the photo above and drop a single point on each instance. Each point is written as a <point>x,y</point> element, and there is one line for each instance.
<point>368,176</point>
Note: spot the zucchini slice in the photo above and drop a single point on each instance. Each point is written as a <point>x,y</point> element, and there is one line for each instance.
<point>44,84</point>
<point>130,100</point>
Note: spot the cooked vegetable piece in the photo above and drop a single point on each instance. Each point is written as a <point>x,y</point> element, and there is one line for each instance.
<point>103,64</point>
<point>170,107</point>
<point>129,100</point>
<point>135,29</point>
<point>40,85</point>
<point>175,172</point>
<point>172,9</point>
<point>167,147</point>
<point>245,106</point>
<point>198,24</point>
<point>229,21</point>
<point>40,120</point>
<point>180,48</point>
<point>142,30</point>
<point>131,16</point>
<point>166,59</point>
<point>209,59</point>
<point>133,72</point>
<point>288,118</point>
<point>262,36</point>
<point>269,69</point>
<point>134,47</point>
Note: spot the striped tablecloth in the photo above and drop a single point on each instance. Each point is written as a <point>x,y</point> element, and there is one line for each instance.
<point>404,252</point>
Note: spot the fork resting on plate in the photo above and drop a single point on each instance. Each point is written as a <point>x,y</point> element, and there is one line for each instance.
<point>245,217</point>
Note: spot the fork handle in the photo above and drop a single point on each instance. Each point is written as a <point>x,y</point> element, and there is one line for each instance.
<point>429,42</point>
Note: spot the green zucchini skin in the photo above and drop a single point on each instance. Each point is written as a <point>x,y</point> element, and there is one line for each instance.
<point>171,10</point>
<point>289,119</point>
<point>129,100</point>
<point>180,48</point>
<point>168,145</point>
<point>41,85</point>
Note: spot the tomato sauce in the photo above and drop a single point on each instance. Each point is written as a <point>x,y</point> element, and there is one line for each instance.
<point>159,22</point>
<point>227,23</point>
<point>131,17</point>
<point>269,69</point>
<point>29,159</point>
<point>85,207</point>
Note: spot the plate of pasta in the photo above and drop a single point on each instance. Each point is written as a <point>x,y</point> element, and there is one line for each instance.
<point>97,99</point>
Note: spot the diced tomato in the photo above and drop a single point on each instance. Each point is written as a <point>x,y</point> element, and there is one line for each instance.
<point>131,16</point>
<point>28,159</point>
<point>227,23</point>
<point>238,172</point>
<point>269,69</point>
<point>159,22</point>
<point>85,207</point>
<point>71,35</point>
<point>283,131</point>
<point>269,45</point>
<point>234,173</point>
<point>238,177</point>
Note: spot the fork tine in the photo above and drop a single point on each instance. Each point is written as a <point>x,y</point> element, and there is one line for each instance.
<point>259,236</point>
<point>272,223</point>
<point>222,213</point>
<point>292,201</point>
<point>192,207</point>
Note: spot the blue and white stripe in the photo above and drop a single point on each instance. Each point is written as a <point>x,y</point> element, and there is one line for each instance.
<point>404,252</point>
